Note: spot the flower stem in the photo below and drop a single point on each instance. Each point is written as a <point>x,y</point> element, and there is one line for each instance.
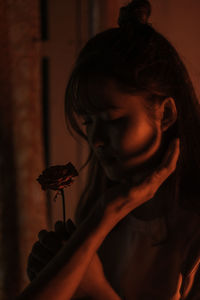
<point>63,202</point>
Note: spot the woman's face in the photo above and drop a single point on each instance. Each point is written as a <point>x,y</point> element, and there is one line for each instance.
<point>124,137</point>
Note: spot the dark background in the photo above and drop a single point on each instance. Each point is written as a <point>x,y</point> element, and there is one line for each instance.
<point>39,42</point>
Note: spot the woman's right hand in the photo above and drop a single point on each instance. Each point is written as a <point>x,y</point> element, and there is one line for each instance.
<point>47,247</point>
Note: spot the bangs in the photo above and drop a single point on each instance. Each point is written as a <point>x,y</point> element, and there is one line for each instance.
<point>90,76</point>
<point>87,84</point>
<point>85,81</point>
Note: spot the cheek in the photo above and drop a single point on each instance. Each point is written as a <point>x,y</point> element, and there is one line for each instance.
<point>137,137</point>
<point>138,142</point>
<point>133,136</point>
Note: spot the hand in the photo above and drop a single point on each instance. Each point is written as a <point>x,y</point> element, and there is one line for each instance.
<point>123,198</point>
<point>47,247</point>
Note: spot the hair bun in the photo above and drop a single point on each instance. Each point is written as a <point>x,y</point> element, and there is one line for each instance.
<point>136,12</point>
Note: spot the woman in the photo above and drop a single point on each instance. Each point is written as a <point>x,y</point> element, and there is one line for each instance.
<point>138,233</point>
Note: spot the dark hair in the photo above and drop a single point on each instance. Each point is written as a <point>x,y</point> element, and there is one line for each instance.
<point>139,59</point>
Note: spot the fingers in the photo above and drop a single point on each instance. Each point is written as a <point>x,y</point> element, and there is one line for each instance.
<point>34,267</point>
<point>42,252</point>
<point>37,260</point>
<point>171,156</point>
<point>50,241</point>
<point>47,246</point>
<point>43,255</point>
<point>168,165</point>
<point>64,231</point>
<point>150,185</point>
<point>60,230</point>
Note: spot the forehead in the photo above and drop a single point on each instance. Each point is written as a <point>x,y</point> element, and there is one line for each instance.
<point>104,94</point>
<point>101,94</point>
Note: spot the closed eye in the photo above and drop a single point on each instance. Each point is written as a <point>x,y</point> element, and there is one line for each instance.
<point>87,122</point>
<point>114,120</point>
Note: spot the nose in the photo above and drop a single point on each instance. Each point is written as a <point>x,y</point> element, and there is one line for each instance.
<point>98,135</point>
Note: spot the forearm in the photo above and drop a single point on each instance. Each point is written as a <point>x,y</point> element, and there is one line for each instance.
<point>107,293</point>
<point>61,277</point>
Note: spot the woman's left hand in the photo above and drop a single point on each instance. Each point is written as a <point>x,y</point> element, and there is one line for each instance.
<point>124,197</point>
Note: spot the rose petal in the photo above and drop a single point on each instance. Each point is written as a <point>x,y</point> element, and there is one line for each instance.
<point>57,177</point>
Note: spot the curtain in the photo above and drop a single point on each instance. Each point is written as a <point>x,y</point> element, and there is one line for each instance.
<point>23,209</point>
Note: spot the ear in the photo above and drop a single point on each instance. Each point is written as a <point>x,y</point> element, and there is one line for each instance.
<point>168,113</point>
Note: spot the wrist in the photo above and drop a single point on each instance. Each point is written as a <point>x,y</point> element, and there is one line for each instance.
<point>101,219</point>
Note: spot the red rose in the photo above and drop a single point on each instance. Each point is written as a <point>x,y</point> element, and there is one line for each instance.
<point>57,177</point>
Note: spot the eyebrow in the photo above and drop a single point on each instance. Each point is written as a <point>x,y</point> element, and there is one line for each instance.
<point>110,107</point>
